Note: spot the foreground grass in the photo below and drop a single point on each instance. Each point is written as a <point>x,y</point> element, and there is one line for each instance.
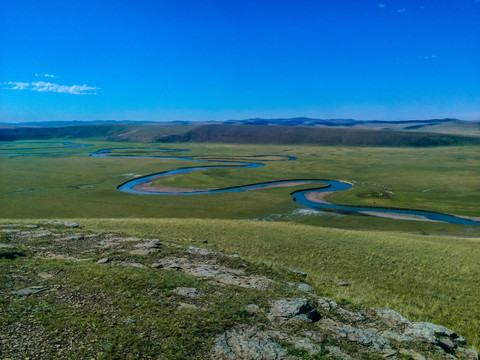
<point>426,278</point>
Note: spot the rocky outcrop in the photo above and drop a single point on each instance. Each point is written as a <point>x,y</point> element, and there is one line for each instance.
<point>297,309</point>
<point>279,318</point>
<point>210,269</point>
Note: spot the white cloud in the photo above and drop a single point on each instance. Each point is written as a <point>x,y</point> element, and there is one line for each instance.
<point>45,75</point>
<point>18,85</point>
<point>42,86</point>
<point>382,5</point>
<point>401,10</point>
<point>429,57</point>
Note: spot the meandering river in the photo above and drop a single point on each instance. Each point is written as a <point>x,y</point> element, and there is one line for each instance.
<point>311,198</point>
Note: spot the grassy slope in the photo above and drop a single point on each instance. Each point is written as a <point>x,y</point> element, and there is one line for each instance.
<point>467,128</point>
<point>427,278</point>
<point>247,134</point>
<point>145,133</point>
<point>242,134</point>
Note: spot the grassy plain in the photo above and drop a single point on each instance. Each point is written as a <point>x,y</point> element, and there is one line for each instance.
<point>442,179</point>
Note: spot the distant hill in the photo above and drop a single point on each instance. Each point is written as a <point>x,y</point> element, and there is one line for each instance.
<point>264,134</point>
<point>108,132</point>
<point>240,134</point>
<point>443,126</point>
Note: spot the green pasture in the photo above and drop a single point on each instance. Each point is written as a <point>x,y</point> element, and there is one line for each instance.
<point>426,278</point>
<point>441,179</point>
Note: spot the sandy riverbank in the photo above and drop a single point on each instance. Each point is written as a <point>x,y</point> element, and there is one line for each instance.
<point>148,186</point>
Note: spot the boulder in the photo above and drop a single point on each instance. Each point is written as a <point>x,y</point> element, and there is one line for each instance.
<point>466,354</point>
<point>357,335</point>
<point>393,319</point>
<point>189,292</point>
<point>298,272</point>
<point>349,316</point>
<point>297,309</point>
<point>432,333</point>
<point>305,287</point>
<point>251,308</point>
<point>247,343</point>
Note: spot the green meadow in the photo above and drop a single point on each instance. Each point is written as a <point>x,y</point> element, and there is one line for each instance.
<point>440,179</point>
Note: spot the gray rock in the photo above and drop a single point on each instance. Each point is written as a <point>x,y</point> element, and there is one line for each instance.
<point>189,292</point>
<point>251,308</point>
<point>300,343</point>
<point>202,251</point>
<point>146,248</point>
<point>243,342</point>
<point>389,354</point>
<point>349,316</point>
<point>63,223</point>
<point>157,265</point>
<point>149,245</point>
<point>7,246</point>
<point>134,264</point>
<point>429,332</point>
<point>284,310</point>
<point>298,272</point>
<point>337,353</point>
<point>391,335</point>
<point>32,290</point>
<point>326,304</point>
<point>446,344</point>
<point>466,354</point>
<point>34,234</point>
<point>104,261</point>
<point>305,287</point>
<point>71,224</point>
<point>74,237</point>
<point>247,343</point>
<point>343,283</point>
<point>413,354</point>
<point>221,274</point>
<point>360,336</point>
<point>393,319</point>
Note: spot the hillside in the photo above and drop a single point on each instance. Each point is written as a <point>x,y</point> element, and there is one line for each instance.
<point>155,289</point>
<point>443,126</point>
<point>108,132</point>
<point>262,134</point>
<point>240,134</point>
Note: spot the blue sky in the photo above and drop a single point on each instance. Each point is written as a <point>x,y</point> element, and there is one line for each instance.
<point>224,59</point>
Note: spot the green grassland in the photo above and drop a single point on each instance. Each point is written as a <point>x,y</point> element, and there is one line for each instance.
<point>426,278</point>
<point>441,179</point>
